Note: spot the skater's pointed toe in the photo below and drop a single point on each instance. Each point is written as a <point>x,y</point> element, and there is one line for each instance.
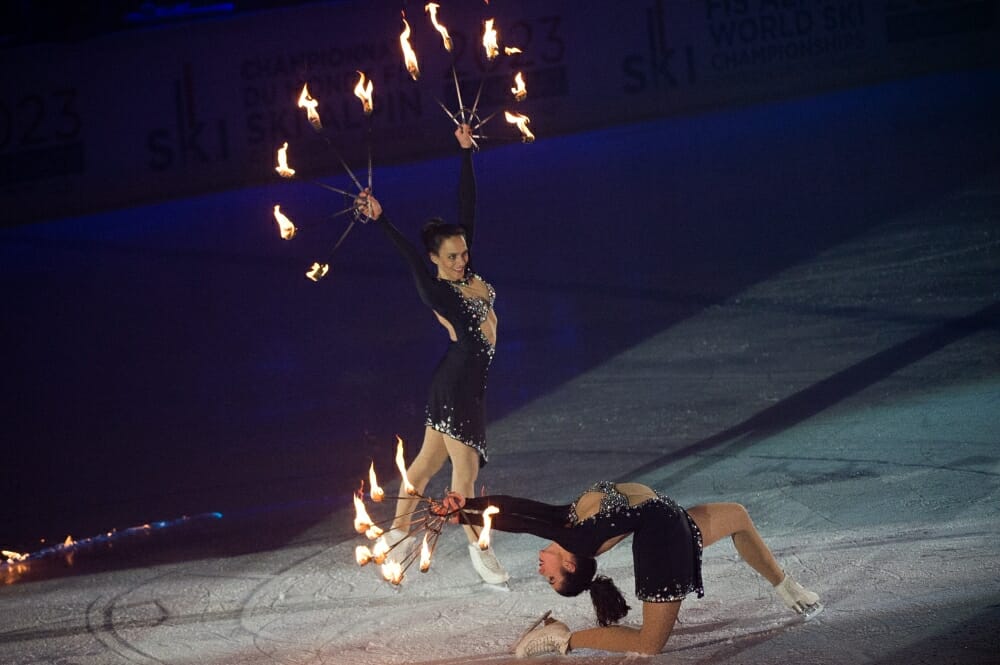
<point>798,598</point>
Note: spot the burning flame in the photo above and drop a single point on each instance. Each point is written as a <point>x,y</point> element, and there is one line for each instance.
<point>490,40</point>
<point>13,557</point>
<point>377,493</point>
<point>318,271</point>
<point>511,50</point>
<point>401,463</point>
<point>409,56</point>
<point>373,532</point>
<point>362,555</point>
<point>282,167</point>
<point>392,571</point>
<point>484,537</point>
<point>520,92</point>
<point>425,556</point>
<point>309,104</point>
<point>364,93</point>
<point>362,522</point>
<point>432,9</point>
<point>285,226</point>
<point>522,124</point>
<point>380,550</point>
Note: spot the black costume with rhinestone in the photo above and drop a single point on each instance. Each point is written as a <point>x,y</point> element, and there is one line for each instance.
<point>456,405</point>
<point>666,542</point>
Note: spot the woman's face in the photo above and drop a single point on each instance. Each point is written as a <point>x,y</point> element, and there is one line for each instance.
<point>452,257</point>
<point>553,562</point>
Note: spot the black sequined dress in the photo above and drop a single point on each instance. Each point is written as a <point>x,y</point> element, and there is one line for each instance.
<point>456,405</point>
<point>666,542</point>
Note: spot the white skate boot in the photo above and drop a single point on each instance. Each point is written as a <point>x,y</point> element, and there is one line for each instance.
<point>798,598</point>
<point>486,564</point>
<point>551,637</point>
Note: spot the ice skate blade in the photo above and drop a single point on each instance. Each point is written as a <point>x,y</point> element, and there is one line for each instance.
<point>809,611</point>
<point>503,587</point>
<point>538,622</point>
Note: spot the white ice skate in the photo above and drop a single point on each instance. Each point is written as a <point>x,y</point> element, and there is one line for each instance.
<point>798,598</point>
<point>487,565</point>
<point>530,628</point>
<point>550,637</point>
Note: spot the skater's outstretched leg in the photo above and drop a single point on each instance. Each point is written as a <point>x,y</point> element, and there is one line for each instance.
<point>718,520</point>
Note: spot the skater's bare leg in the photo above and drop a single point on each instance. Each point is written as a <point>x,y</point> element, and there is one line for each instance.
<point>658,621</point>
<point>432,456</point>
<point>718,520</point>
<point>464,471</point>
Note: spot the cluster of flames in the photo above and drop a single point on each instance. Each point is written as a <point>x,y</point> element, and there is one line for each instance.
<point>429,526</point>
<point>364,90</point>
<point>14,564</point>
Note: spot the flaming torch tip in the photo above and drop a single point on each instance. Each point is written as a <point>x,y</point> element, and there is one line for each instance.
<point>364,93</point>
<point>309,104</point>
<point>282,168</point>
<point>484,536</point>
<point>285,226</point>
<point>409,55</point>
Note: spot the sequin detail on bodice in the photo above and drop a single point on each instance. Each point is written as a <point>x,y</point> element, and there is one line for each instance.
<point>474,311</point>
<point>613,501</point>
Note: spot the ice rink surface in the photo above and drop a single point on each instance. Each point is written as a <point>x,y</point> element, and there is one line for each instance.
<point>847,393</point>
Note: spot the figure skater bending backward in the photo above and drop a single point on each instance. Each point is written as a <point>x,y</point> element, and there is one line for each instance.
<point>667,542</point>
<point>463,303</point>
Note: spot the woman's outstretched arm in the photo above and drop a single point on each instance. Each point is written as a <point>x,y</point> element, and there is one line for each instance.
<point>427,287</point>
<point>466,185</point>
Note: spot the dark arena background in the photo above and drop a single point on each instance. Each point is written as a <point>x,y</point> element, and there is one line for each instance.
<point>752,255</point>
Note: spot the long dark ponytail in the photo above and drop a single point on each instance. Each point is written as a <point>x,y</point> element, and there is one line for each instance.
<point>609,603</point>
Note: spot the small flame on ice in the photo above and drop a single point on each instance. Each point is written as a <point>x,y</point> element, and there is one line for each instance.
<point>13,557</point>
<point>380,550</point>
<point>522,124</point>
<point>282,167</point>
<point>484,536</point>
<point>432,9</point>
<point>362,522</point>
<point>376,493</point>
<point>519,90</point>
<point>392,571</point>
<point>490,40</point>
<point>364,93</point>
<point>285,226</point>
<point>425,556</point>
<point>409,56</point>
<point>318,271</point>
<point>309,104</point>
<point>362,555</point>
<point>69,541</point>
<point>401,464</point>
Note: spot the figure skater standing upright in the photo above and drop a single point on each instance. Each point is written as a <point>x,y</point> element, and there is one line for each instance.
<point>455,426</point>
